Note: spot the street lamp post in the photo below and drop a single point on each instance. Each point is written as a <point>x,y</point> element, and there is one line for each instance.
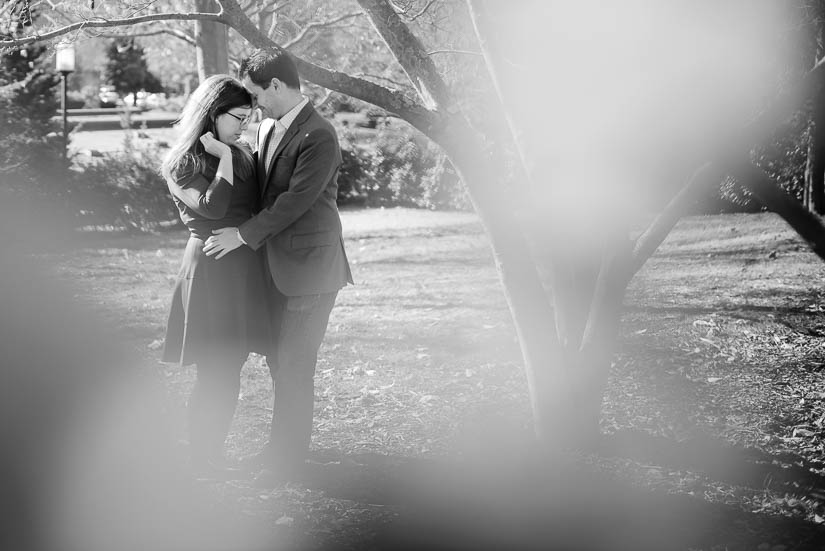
<point>65,65</point>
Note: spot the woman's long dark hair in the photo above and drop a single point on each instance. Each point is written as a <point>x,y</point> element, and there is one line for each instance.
<point>215,96</point>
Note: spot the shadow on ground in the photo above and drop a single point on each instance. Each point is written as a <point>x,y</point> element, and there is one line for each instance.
<point>516,501</point>
<point>718,460</point>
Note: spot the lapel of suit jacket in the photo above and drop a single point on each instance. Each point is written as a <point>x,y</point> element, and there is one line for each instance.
<point>288,135</point>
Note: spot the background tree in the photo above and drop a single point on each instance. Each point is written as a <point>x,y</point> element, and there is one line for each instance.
<point>814,176</point>
<point>31,150</point>
<point>127,70</point>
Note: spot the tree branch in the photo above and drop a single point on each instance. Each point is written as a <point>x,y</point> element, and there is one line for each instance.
<point>385,79</point>
<point>395,102</point>
<point>484,31</point>
<point>173,32</point>
<point>806,224</point>
<point>423,10</point>
<point>315,25</point>
<point>325,99</point>
<point>109,23</point>
<point>392,101</point>
<point>398,8</point>
<point>647,243</point>
<point>410,53</point>
<point>273,6</point>
<point>464,52</point>
<point>731,146</point>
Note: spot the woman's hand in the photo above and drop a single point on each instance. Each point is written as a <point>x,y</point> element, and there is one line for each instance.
<point>215,147</point>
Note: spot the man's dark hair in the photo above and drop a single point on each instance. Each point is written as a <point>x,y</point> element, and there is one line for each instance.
<point>262,66</point>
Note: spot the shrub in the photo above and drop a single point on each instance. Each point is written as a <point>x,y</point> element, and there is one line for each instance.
<point>349,177</point>
<point>75,100</point>
<point>783,159</point>
<point>394,167</point>
<point>31,146</point>
<point>123,190</point>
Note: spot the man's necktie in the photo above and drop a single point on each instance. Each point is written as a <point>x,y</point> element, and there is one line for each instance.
<point>278,131</point>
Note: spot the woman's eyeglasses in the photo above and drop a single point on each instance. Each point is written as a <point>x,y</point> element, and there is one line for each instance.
<point>242,120</point>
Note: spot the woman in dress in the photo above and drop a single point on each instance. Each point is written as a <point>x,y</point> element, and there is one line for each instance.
<point>217,314</point>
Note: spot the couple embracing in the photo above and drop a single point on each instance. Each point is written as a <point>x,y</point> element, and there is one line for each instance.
<point>265,257</point>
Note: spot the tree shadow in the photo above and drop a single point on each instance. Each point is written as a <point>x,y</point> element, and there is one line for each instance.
<point>741,310</point>
<point>517,499</point>
<point>786,472</point>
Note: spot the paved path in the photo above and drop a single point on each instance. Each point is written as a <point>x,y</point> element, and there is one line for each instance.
<point>116,120</point>
<point>107,141</point>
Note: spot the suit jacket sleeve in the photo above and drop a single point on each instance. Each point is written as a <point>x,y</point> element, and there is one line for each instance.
<point>314,168</point>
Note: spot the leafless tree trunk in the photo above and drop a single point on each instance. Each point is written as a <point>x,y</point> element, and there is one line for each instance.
<point>210,42</point>
<point>568,355</point>
<point>814,196</point>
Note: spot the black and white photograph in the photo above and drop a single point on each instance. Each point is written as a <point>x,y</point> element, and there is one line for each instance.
<point>382,275</point>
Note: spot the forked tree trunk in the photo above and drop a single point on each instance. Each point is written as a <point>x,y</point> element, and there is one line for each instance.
<point>210,43</point>
<point>523,290</point>
<point>566,383</point>
<point>588,287</point>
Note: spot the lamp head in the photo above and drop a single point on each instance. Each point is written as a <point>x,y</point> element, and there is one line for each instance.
<point>64,58</point>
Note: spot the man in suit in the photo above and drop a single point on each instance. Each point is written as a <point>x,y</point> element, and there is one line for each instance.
<point>298,158</point>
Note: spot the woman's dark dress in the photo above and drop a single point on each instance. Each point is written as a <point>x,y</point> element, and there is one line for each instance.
<point>218,307</point>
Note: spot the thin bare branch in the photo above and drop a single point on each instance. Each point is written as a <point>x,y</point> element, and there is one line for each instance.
<point>393,101</point>
<point>423,10</point>
<point>186,37</point>
<point>460,52</point>
<point>273,6</point>
<point>6,8</point>
<point>265,11</point>
<point>399,8</point>
<point>317,25</point>
<point>325,99</point>
<point>396,102</point>
<point>409,52</point>
<point>109,23</point>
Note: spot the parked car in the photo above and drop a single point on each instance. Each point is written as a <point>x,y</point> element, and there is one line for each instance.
<point>155,101</point>
<point>108,97</point>
<point>129,99</point>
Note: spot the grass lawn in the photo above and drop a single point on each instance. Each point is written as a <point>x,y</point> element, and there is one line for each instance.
<point>714,411</point>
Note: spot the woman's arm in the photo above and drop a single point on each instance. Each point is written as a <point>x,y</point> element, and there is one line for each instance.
<point>210,200</point>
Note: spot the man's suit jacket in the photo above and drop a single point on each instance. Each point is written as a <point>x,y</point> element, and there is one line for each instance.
<point>299,221</point>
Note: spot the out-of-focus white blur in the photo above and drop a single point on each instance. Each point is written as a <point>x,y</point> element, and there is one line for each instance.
<point>87,461</point>
<point>618,101</point>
